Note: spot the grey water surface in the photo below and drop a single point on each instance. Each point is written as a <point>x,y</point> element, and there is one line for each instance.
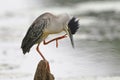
<point>97,42</point>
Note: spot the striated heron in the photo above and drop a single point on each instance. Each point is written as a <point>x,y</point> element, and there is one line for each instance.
<point>46,24</point>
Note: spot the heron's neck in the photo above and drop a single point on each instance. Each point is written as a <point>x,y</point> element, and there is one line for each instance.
<point>63,18</point>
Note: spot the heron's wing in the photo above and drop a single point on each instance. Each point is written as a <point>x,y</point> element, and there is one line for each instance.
<point>33,34</point>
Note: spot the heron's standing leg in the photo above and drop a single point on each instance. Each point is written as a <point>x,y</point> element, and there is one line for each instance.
<point>55,39</point>
<point>37,48</point>
<point>47,64</point>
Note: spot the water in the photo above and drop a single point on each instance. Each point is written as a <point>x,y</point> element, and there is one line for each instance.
<point>97,51</point>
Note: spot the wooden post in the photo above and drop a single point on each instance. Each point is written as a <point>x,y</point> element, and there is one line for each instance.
<point>42,72</point>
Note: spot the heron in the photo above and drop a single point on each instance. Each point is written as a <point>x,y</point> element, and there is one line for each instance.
<point>46,24</point>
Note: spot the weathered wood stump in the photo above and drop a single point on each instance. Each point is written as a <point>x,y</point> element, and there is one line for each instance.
<point>42,72</point>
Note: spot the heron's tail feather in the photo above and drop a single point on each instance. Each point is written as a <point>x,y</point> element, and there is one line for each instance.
<point>26,45</point>
<point>73,25</point>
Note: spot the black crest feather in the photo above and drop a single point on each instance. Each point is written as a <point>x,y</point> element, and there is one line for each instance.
<point>73,25</point>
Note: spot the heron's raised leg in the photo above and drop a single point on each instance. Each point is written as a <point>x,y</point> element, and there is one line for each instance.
<point>55,39</point>
<point>47,64</point>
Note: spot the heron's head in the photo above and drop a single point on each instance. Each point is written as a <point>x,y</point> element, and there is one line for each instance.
<point>71,22</point>
<point>71,28</point>
<point>71,25</point>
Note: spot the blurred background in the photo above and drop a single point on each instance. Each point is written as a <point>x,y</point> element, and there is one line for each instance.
<point>97,42</point>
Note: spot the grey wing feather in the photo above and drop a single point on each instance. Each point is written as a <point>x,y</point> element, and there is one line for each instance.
<point>33,34</point>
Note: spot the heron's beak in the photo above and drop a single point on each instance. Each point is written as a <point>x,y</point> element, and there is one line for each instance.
<point>70,36</point>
